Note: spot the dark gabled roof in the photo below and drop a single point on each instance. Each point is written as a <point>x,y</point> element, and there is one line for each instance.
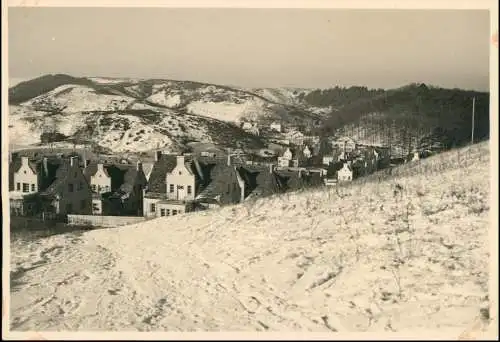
<point>164,165</point>
<point>130,178</point>
<point>61,173</point>
<point>220,176</point>
<point>263,182</point>
<point>292,179</point>
<point>313,179</point>
<point>333,168</point>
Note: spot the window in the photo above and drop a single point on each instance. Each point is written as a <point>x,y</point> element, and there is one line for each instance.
<point>82,204</point>
<point>70,187</point>
<point>94,188</point>
<point>162,212</point>
<point>168,212</point>
<point>153,207</point>
<point>174,212</point>
<point>80,186</point>
<point>189,189</point>
<point>26,187</point>
<point>180,187</point>
<point>18,186</point>
<point>33,186</point>
<point>180,173</point>
<point>69,208</point>
<point>171,188</point>
<point>180,211</point>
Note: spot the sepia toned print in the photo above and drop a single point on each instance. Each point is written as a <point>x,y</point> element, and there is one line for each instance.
<point>281,171</point>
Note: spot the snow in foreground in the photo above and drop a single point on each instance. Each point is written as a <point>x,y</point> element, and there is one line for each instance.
<point>363,259</point>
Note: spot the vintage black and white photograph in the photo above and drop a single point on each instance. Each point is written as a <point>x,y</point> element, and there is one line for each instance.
<point>248,170</point>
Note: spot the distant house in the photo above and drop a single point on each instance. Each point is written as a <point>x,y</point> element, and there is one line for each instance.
<point>328,159</point>
<point>345,174</point>
<point>174,183</point>
<point>288,154</point>
<point>48,187</point>
<point>208,154</point>
<point>247,125</point>
<point>345,144</point>
<point>286,158</point>
<point>296,138</point>
<point>275,126</point>
<point>307,152</point>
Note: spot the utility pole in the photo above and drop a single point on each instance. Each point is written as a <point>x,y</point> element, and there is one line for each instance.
<point>473,110</point>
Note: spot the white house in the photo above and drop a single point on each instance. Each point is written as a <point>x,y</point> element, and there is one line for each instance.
<point>26,177</point>
<point>100,181</point>
<point>275,126</point>
<point>181,182</point>
<point>345,173</point>
<point>288,154</point>
<point>254,130</point>
<point>327,160</point>
<point>247,125</point>
<point>307,152</point>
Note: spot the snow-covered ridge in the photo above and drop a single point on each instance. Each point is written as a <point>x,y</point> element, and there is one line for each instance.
<point>76,98</point>
<point>368,257</point>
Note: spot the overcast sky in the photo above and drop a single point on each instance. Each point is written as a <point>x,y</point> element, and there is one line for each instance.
<point>255,47</point>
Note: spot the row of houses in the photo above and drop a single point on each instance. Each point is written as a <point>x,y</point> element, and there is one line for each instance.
<point>175,184</point>
<point>52,186</point>
<point>178,183</point>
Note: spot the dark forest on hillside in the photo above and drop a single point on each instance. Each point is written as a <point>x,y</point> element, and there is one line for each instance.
<point>417,111</point>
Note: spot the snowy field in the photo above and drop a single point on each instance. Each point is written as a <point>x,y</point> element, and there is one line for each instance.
<point>368,257</point>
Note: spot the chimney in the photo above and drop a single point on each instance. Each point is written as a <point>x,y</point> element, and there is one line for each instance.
<point>157,155</point>
<point>271,168</point>
<point>24,160</point>
<point>73,161</point>
<point>180,159</point>
<point>228,159</point>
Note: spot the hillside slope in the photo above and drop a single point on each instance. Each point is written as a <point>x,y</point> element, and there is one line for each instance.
<point>405,115</point>
<point>398,117</point>
<point>369,257</point>
<point>205,112</point>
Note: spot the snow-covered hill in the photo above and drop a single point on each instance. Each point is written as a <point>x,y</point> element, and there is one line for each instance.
<point>74,105</point>
<point>371,256</point>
